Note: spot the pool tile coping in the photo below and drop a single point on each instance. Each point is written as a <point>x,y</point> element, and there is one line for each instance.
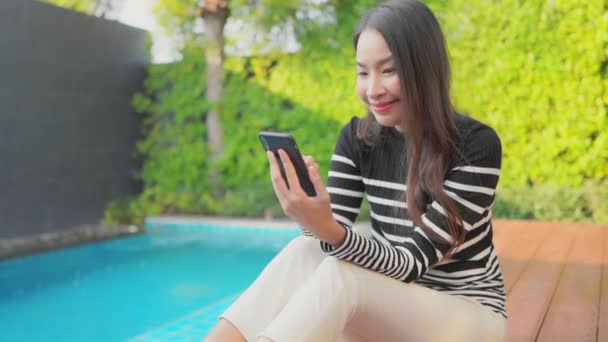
<point>231,222</point>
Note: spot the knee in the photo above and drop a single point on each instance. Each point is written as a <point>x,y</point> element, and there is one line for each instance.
<point>304,244</point>
<point>341,278</point>
<point>338,268</point>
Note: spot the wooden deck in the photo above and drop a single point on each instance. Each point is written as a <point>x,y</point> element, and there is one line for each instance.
<point>556,279</point>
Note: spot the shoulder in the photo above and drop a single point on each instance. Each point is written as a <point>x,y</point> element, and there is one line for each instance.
<point>478,141</point>
<point>352,125</point>
<point>473,131</point>
<point>348,134</point>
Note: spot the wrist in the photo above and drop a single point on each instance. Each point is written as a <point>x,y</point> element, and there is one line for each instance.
<point>336,235</point>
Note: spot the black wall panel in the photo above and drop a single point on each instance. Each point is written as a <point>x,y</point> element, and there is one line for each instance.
<point>67,129</point>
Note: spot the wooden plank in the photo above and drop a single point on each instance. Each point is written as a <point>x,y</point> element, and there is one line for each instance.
<point>505,233</point>
<point>602,324</point>
<point>573,312</point>
<point>529,298</point>
<point>523,244</point>
<point>505,236</point>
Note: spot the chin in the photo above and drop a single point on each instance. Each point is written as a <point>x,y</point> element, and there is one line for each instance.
<point>387,120</point>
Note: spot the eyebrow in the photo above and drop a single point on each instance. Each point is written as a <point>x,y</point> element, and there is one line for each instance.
<point>380,62</point>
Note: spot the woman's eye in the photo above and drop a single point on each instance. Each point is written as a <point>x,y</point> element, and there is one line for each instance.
<point>389,70</point>
<point>361,73</point>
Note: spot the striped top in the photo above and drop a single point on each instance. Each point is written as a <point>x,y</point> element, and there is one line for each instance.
<point>397,247</point>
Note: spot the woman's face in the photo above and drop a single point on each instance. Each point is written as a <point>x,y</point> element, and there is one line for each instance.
<point>378,83</point>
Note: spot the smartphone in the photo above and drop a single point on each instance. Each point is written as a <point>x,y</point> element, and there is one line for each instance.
<point>274,141</point>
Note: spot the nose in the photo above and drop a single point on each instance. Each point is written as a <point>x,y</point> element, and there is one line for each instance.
<point>375,88</point>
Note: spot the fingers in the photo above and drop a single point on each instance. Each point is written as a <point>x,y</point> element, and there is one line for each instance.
<point>315,178</point>
<point>313,167</point>
<point>290,171</point>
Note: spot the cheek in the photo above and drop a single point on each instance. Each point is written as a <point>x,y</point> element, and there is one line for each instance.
<point>361,90</point>
<point>394,86</point>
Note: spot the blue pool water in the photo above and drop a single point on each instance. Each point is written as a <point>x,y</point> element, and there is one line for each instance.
<point>167,284</point>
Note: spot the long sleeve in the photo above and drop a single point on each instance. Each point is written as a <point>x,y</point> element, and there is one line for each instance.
<point>345,185</point>
<point>406,253</point>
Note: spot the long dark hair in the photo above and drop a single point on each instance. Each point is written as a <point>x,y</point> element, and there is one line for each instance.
<point>416,42</point>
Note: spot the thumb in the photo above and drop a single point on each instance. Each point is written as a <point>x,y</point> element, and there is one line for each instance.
<point>315,177</point>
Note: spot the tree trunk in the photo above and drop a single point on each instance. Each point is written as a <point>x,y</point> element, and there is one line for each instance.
<point>104,7</point>
<point>214,13</point>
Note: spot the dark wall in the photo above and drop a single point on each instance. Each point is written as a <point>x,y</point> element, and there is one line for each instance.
<point>67,129</point>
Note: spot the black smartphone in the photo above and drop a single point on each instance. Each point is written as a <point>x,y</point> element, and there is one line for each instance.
<point>274,141</point>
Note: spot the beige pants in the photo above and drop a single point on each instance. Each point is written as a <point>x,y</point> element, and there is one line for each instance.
<point>303,295</point>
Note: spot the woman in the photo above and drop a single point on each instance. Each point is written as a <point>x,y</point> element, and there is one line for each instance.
<point>429,271</point>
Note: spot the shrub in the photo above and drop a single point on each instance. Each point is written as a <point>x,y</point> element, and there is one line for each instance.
<point>533,70</point>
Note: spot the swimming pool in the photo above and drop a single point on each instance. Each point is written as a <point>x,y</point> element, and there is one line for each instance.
<point>167,284</point>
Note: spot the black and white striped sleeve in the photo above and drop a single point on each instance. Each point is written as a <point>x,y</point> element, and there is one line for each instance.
<point>471,183</point>
<point>344,184</point>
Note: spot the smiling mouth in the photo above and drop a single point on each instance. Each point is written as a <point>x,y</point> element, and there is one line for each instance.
<point>383,107</point>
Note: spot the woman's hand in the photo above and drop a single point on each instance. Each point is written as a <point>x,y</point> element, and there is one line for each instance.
<point>311,213</point>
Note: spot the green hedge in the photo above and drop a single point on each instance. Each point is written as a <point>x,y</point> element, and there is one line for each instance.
<point>534,70</point>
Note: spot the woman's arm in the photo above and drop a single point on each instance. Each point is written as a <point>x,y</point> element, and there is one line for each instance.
<point>471,184</point>
<point>335,208</point>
